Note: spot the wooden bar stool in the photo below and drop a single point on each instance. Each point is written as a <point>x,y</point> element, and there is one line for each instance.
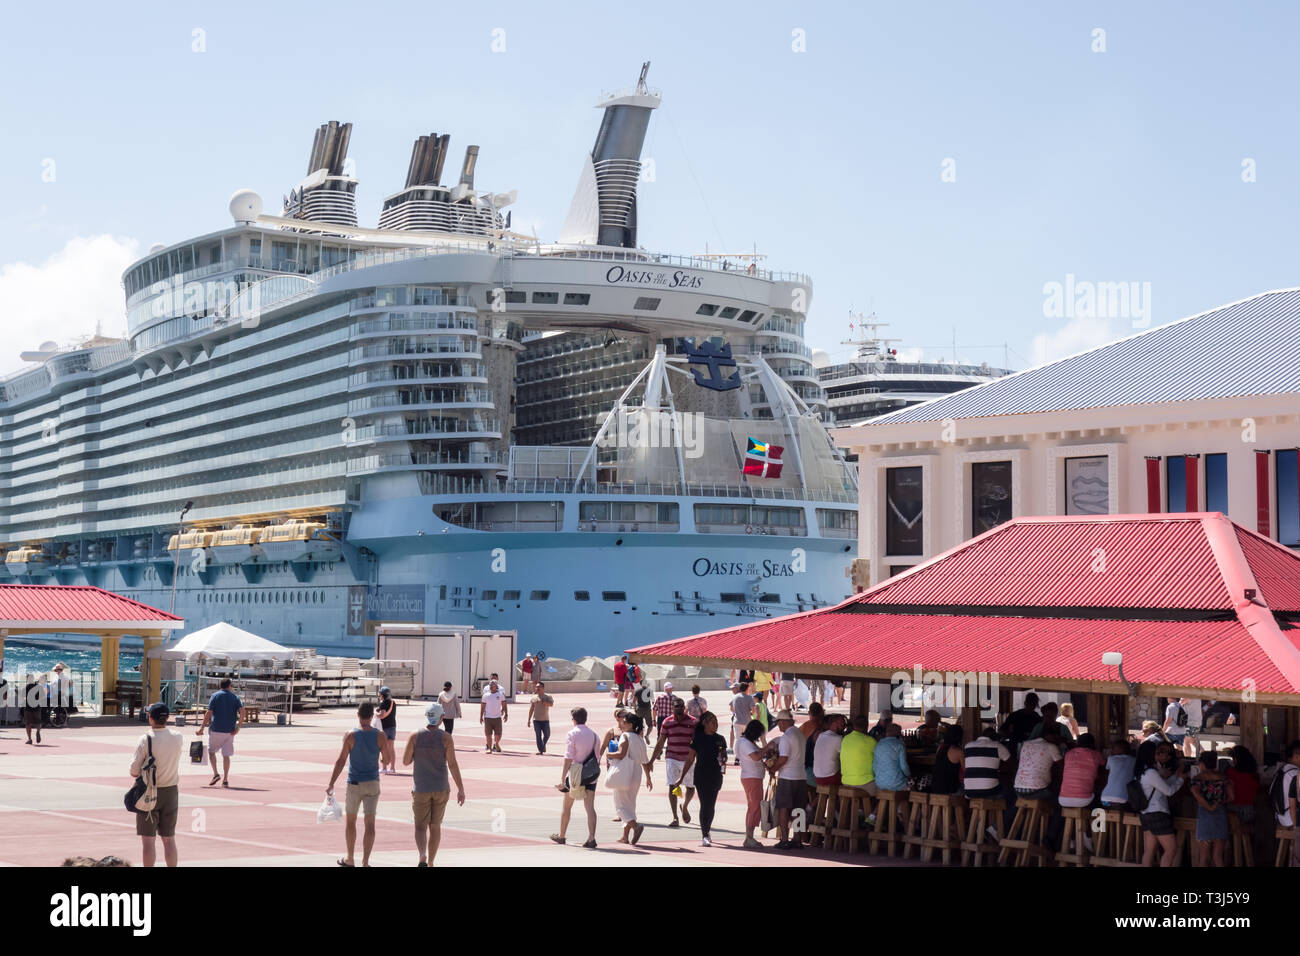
<point>914,833</point>
<point>823,816</point>
<point>946,827</point>
<point>985,812</point>
<point>1024,840</point>
<point>887,829</point>
<point>850,820</point>
<point>1077,821</point>
<point>1285,837</point>
<point>1108,842</point>
<point>1184,839</point>
<point>1242,841</point>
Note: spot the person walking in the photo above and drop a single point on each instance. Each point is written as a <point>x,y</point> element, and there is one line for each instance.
<point>222,720</point>
<point>742,709</point>
<point>432,755</point>
<point>665,703</point>
<point>676,733</point>
<point>164,746</point>
<point>450,706</point>
<point>749,754</point>
<point>493,712</point>
<point>628,763</point>
<point>621,685</point>
<point>707,758</point>
<point>33,704</point>
<point>643,700</point>
<point>539,716</point>
<point>697,705</point>
<point>579,774</point>
<point>362,748</point>
<point>386,711</point>
<point>526,666</point>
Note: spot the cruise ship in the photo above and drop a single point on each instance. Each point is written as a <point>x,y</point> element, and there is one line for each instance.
<point>313,427</point>
<point>875,382</point>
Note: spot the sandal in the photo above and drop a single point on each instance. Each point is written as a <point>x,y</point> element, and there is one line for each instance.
<point>345,863</point>
<point>213,781</point>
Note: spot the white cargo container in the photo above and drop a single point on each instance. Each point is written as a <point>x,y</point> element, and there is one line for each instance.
<point>464,655</point>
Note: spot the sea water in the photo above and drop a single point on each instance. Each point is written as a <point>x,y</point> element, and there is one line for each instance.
<point>19,659</point>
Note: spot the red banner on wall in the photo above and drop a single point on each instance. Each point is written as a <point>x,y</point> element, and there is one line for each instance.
<point>1263,519</point>
<point>1190,464</point>
<point>1153,486</point>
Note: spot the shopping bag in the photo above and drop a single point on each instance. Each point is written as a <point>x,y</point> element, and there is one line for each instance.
<point>767,810</point>
<point>329,809</point>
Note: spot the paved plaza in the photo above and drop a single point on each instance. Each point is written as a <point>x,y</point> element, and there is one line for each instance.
<point>64,798</point>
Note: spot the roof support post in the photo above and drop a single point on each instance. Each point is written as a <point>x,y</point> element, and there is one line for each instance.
<point>1252,728</point>
<point>151,672</point>
<point>969,719</point>
<point>859,698</point>
<point>109,661</point>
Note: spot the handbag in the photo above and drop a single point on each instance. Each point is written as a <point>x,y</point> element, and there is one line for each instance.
<point>590,769</point>
<point>143,796</point>
<point>767,810</point>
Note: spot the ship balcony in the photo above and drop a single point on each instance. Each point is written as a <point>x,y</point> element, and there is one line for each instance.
<point>422,324</point>
<point>412,400</point>
<point>431,347</point>
<point>376,378</point>
<point>447,428</point>
<point>388,299</point>
<point>425,461</point>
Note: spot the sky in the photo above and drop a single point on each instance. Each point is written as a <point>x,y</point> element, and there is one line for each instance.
<point>1029,179</point>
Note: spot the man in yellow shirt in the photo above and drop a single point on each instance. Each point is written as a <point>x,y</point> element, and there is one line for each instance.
<point>857,757</point>
<point>763,684</point>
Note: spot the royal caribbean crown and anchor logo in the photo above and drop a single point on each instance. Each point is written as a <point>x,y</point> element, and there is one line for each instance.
<point>716,358</point>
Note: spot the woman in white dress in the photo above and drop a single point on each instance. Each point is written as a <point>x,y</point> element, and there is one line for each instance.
<point>628,763</point>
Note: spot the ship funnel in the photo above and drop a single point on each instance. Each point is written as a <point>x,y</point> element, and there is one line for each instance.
<point>467,167</point>
<point>603,211</point>
<point>326,194</point>
<point>427,156</point>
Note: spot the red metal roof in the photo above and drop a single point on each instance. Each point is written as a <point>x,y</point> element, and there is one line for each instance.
<point>69,604</point>
<point>1183,570</point>
<point>1175,653</point>
<point>1162,561</point>
<point>1276,568</point>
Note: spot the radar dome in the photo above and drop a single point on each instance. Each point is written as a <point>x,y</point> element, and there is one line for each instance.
<point>157,246</point>
<point>245,206</point>
<point>820,358</point>
<point>49,347</point>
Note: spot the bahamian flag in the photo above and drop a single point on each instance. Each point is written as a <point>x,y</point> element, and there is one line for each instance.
<point>763,459</point>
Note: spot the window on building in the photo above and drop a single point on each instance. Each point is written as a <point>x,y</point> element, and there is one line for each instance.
<point>1216,483</point>
<point>1176,483</point>
<point>769,598</point>
<point>490,595</point>
<point>545,298</point>
<point>748,315</point>
<point>613,595</point>
<point>577,298</point>
<point>646,303</point>
<point>732,597</point>
<point>510,595</point>
<point>1087,486</point>
<point>903,517</point>
<point>1288,498</point>
<point>899,568</point>
<point>990,492</point>
<point>582,595</point>
<point>539,595</point>
<point>728,313</point>
<point>707,309</point>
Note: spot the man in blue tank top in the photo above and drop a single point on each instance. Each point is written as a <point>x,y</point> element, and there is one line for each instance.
<point>434,755</point>
<point>361,751</point>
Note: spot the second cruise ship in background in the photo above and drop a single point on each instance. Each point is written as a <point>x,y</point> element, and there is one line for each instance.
<point>313,427</point>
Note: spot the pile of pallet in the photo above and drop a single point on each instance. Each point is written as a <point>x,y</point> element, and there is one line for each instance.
<point>397,676</point>
<point>341,681</point>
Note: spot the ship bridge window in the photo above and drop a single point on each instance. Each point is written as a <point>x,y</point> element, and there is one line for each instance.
<point>539,595</point>
<point>510,596</point>
<point>490,595</point>
<point>512,295</point>
<point>545,298</point>
<point>582,595</point>
<point>837,523</point>
<point>769,598</point>
<point>707,309</point>
<point>577,298</point>
<point>646,303</point>
<point>732,597</point>
<point>749,315</point>
<point>613,595</point>
<point>728,313</point>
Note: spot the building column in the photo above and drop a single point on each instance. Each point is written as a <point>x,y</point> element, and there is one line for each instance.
<point>969,720</point>
<point>109,661</point>
<point>151,673</point>
<point>1252,729</point>
<point>859,698</point>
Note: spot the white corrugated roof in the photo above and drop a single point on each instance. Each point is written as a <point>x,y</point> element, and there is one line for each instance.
<point>1251,347</point>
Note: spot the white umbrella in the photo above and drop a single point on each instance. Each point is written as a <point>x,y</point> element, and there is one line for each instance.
<point>226,640</point>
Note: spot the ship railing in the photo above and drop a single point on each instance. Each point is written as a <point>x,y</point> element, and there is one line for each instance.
<point>561,486</point>
<point>443,322</point>
<point>415,433</point>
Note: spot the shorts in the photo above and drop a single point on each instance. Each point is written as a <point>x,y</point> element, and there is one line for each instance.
<point>790,794</point>
<point>364,795</point>
<point>673,768</point>
<point>162,821</point>
<point>868,787</point>
<point>492,725</point>
<point>1158,824</point>
<point>787,687</point>
<point>390,732</point>
<point>31,716</point>
<point>1176,738</point>
<point>429,807</point>
<point>621,686</point>
<point>1193,730</point>
<point>809,778</point>
<point>828,781</point>
<point>222,744</point>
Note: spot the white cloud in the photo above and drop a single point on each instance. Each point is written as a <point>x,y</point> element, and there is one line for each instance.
<point>63,298</point>
<point>1076,335</point>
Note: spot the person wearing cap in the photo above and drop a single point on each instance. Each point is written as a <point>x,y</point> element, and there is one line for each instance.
<point>386,711</point>
<point>433,755</point>
<point>526,666</point>
<point>664,706</point>
<point>166,746</point>
<point>224,716</point>
<point>788,767</point>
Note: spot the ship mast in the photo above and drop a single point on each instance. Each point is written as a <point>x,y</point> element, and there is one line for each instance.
<point>871,345</point>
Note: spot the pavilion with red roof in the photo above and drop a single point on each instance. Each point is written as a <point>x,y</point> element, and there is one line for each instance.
<point>51,609</point>
<point>1198,606</point>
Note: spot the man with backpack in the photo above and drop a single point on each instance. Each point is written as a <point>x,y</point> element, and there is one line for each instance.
<point>1282,793</point>
<point>1177,725</point>
<point>158,758</point>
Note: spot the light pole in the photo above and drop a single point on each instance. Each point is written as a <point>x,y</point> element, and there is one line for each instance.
<point>176,566</point>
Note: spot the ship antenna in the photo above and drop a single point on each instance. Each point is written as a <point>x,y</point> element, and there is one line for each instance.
<point>640,83</point>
